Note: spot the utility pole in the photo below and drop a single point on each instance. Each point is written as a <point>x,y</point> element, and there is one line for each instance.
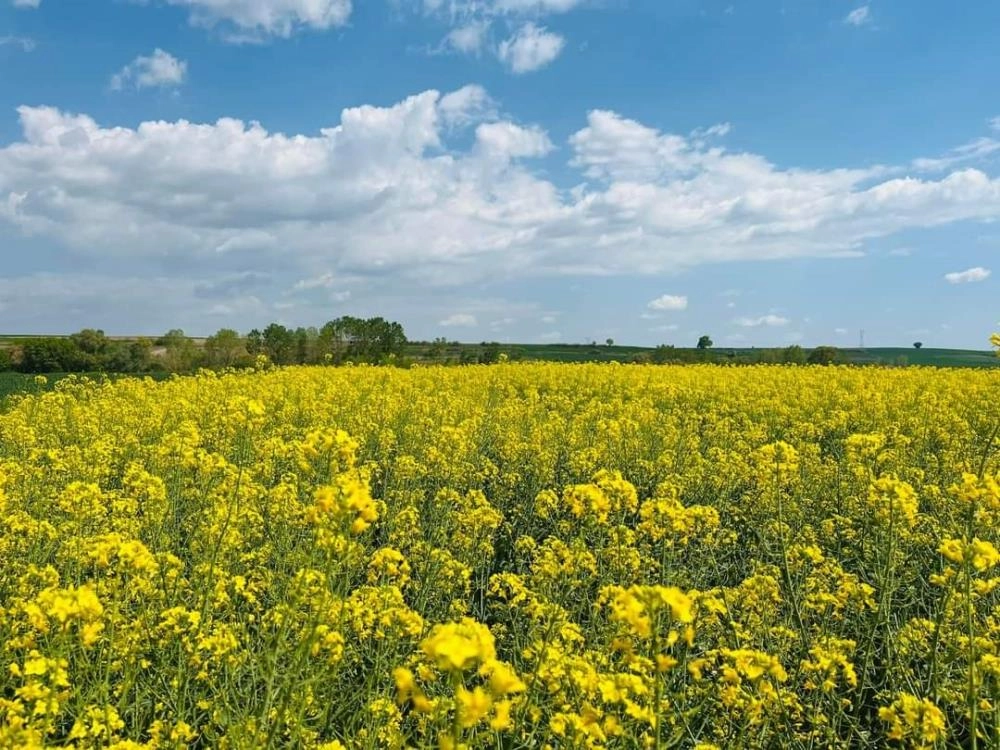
<point>861,339</point>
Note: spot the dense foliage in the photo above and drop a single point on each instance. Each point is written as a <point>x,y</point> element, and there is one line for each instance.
<point>352,339</point>
<point>87,351</point>
<point>346,338</point>
<point>509,556</point>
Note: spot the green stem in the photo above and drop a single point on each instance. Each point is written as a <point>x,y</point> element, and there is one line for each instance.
<point>971,697</point>
<point>657,687</point>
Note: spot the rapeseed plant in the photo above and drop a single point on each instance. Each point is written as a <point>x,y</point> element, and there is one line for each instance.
<point>538,555</point>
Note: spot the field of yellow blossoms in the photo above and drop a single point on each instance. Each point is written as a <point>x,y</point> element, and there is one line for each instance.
<point>518,556</point>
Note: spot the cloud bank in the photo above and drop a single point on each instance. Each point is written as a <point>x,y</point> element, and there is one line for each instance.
<point>438,189</point>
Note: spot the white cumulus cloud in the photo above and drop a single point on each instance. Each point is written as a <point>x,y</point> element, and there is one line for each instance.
<point>255,19</point>
<point>323,281</point>
<point>972,151</point>
<point>25,43</point>
<point>26,3</point>
<point>466,105</point>
<point>398,193</point>
<point>534,6</point>
<point>463,320</point>
<point>669,302</point>
<point>470,38</point>
<point>475,25</point>
<point>530,48</point>
<point>968,276</point>
<point>507,140</point>
<point>160,69</point>
<point>859,16</point>
<point>764,320</point>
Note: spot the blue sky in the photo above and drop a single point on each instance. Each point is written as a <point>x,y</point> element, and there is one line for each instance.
<point>519,170</point>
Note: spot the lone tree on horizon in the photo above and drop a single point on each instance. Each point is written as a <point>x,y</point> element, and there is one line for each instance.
<point>917,344</point>
<point>705,342</point>
<point>824,355</point>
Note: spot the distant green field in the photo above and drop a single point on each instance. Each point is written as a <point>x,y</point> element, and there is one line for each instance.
<point>926,357</point>
<point>894,356</point>
<point>576,352</point>
<point>15,382</point>
<point>875,356</point>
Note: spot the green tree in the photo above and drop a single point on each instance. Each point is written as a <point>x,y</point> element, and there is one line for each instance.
<point>332,341</point>
<point>824,355</point>
<point>91,341</point>
<point>171,337</point>
<point>371,339</point>
<point>179,352</point>
<point>793,355</point>
<point>388,335</point>
<point>662,354</point>
<point>310,346</point>
<point>115,358</point>
<point>255,342</point>
<point>50,354</point>
<point>279,344</point>
<point>705,342</point>
<point>490,353</point>
<point>609,341</point>
<point>918,344</point>
<point>225,348</point>
<point>304,344</point>
<point>438,348</point>
<point>140,355</point>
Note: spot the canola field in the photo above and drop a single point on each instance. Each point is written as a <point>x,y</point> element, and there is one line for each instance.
<point>518,556</point>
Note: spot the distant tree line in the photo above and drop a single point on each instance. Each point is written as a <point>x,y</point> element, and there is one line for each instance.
<point>373,340</point>
<point>344,339</point>
<point>87,351</point>
<point>789,355</point>
<point>442,351</point>
<point>349,339</point>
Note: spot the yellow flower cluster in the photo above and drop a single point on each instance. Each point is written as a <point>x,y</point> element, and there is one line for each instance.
<point>916,721</point>
<point>531,555</point>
